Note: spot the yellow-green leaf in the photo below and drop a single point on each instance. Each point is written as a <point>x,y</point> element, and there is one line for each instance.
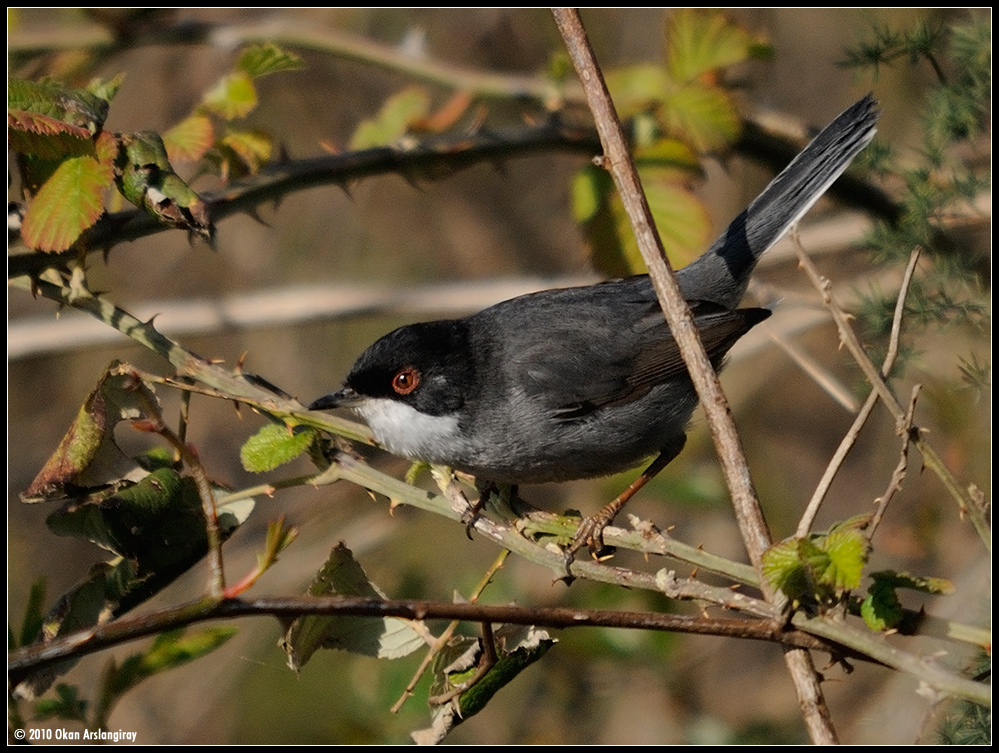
<point>234,96</point>
<point>393,120</point>
<point>591,189</point>
<point>382,637</point>
<point>847,551</point>
<point>681,219</point>
<point>252,147</point>
<point>637,88</point>
<point>189,139</point>
<point>704,116</point>
<point>264,59</point>
<point>699,42</point>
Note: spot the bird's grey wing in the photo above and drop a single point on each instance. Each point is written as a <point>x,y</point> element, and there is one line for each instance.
<point>610,345</point>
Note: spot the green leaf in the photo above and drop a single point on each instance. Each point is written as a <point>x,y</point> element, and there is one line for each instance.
<point>189,139</point>
<point>66,705</point>
<point>90,439</point>
<point>704,116</point>
<point>274,445</point>
<point>700,42</point>
<point>673,154</point>
<point>265,59</point>
<point>234,96</point>
<point>785,570</point>
<point>518,647</point>
<point>77,107</point>
<point>881,609</point>
<point>591,189</point>
<point>385,638</point>
<point>682,220</point>
<point>34,617</point>
<point>106,90</point>
<point>169,650</point>
<point>68,203</point>
<point>399,112</point>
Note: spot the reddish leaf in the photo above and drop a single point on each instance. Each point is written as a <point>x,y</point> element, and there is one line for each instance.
<point>67,204</point>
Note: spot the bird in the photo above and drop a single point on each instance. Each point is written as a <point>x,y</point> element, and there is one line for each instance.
<point>588,381</point>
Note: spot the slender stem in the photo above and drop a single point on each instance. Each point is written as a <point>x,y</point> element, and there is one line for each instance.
<point>812,509</point>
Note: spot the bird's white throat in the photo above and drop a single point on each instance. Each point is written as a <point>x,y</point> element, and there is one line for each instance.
<point>405,431</point>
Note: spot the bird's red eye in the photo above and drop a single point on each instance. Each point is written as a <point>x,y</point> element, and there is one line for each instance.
<point>406,380</point>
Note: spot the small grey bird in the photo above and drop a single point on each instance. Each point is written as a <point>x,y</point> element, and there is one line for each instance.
<point>587,381</point>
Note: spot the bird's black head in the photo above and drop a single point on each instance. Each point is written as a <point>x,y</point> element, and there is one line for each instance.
<point>429,366</point>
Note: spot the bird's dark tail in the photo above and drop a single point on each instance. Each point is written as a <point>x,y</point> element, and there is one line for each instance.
<point>722,272</point>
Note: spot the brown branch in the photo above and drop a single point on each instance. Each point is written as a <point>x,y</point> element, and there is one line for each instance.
<point>431,159</point>
<point>24,661</point>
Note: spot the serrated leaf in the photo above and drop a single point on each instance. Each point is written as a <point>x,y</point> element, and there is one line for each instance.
<point>847,551</point>
<point>704,116</point>
<point>921,583</point>
<point>785,570</point>
<point>700,42</point>
<point>189,139</point>
<point>881,609</point>
<point>163,535</point>
<point>400,111</point>
<point>106,90</point>
<point>670,154</point>
<point>637,88</point>
<point>46,137</point>
<point>76,107</point>
<point>274,445</point>
<point>681,218</point>
<point>234,96</point>
<point>264,59</point>
<point>68,203</point>
<point>385,638</point>
<point>169,650</point>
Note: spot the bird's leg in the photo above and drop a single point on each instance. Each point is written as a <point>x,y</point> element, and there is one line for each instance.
<point>591,529</point>
<point>485,488</point>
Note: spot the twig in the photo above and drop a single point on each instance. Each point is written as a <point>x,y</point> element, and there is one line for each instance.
<point>618,161</point>
<point>820,375</point>
<point>752,524</point>
<point>931,459</point>
<point>846,444</point>
<point>445,636</point>
<point>430,159</point>
<point>907,431</point>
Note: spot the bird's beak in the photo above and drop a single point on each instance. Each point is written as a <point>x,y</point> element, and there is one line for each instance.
<point>344,398</point>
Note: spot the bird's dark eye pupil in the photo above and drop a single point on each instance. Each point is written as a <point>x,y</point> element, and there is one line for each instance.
<point>406,380</point>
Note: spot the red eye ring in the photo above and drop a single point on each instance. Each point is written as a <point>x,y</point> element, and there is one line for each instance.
<point>406,380</point>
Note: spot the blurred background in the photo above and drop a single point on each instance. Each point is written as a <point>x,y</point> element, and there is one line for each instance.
<point>491,223</point>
